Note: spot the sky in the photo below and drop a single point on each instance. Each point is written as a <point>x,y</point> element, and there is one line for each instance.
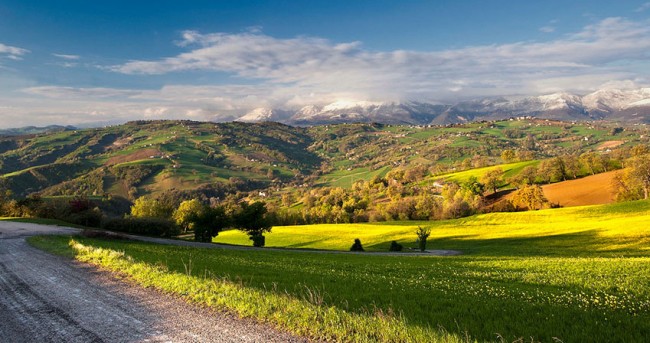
<point>105,62</point>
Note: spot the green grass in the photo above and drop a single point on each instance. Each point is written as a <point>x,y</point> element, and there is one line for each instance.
<point>345,178</point>
<point>578,274</point>
<point>509,169</point>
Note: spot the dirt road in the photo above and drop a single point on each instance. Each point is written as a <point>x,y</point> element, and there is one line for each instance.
<point>45,298</point>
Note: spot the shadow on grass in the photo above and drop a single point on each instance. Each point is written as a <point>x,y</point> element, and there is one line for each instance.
<point>304,244</point>
<point>579,244</point>
<point>587,243</point>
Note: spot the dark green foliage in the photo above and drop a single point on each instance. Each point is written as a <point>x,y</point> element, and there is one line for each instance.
<point>474,186</point>
<point>143,226</point>
<point>357,245</point>
<point>394,246</point>
<point>251,219</point>
<point>258,240</point>
<point>208,222</point>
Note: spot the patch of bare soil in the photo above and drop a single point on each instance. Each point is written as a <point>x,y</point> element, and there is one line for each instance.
<point>591,190</point>
<point>609,145</point>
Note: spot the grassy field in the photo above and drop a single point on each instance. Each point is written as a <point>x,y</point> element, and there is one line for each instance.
<point>575,231</point>
<point>573,274</point>
<point>509,170</point>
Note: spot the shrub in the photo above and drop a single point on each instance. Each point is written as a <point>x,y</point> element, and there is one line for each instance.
<point>357,245</point>
<point>143,226</point>
<point>423,233</point>
<point>91,218</point>
<point>394,246</point>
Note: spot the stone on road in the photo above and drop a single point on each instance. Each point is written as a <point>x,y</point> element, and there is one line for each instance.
<point>46,298</point>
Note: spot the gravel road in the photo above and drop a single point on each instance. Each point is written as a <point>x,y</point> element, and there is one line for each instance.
<point>45,298</point>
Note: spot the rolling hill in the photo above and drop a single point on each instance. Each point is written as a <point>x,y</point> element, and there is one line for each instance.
<point>150,157</point>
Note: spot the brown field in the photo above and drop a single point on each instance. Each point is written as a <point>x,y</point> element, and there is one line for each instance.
<point>590,190</point>
<point>138,155</point>
<point>609,145</point>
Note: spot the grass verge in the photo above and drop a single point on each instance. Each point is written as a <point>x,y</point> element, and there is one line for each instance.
<point>306,315</point>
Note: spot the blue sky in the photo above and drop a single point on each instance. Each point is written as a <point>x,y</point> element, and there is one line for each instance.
<point>75,62</point>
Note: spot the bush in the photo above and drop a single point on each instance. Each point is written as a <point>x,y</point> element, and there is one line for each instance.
<point>394,246</point>
<point>423,233</point>
<point>143,226</point>
<point>90,218</point>
<point>357,245</point>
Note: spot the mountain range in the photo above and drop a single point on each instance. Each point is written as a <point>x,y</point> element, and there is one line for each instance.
<point>629,105</point>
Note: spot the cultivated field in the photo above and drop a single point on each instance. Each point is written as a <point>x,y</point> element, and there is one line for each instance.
<point>571,274</point>
<point>591,190</point>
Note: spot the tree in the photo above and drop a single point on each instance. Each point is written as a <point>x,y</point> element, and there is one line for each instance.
<point>493,179</point>
<point>530,197</point>
<point>571,165</point>
<point>252,220</point>
<point>474,186</point>
<point>423,233</point>
<point>549,170</point>
<point>185,212</point>
<point>208,222</point>
<point>591,161</point>
<point>640,172</point>
<point>144,207</point>
<point>508,155</point>
<point>525,177</point>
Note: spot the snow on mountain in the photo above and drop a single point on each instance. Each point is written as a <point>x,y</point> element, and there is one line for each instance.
<point>609,100</point>
<point>617,104</point>
<point>263,114</point>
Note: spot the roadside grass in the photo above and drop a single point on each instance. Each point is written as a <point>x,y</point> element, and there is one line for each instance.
<point>619,229</point>
<point>303,312</point>
<point>346,297</point>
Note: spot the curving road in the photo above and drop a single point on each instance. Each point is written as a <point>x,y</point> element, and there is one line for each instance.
<point>46,298</point>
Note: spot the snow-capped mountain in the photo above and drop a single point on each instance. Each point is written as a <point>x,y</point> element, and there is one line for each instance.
<point>365,111</point>
<point>614,104</point>
<point>264,114</point>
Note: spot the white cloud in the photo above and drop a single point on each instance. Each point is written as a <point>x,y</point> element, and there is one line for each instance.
<point>12,52</point>
<point>310,64</point>
<point>67,57</point>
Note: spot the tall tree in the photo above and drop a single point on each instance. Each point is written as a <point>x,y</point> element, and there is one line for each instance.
<point>208,222</point>
<point>640,171</point>
<point>493,179</point>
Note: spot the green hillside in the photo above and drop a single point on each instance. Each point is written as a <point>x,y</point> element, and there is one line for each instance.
<point>150,157</point>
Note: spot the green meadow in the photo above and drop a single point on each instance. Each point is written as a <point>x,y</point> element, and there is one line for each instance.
<point>574,274</point>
